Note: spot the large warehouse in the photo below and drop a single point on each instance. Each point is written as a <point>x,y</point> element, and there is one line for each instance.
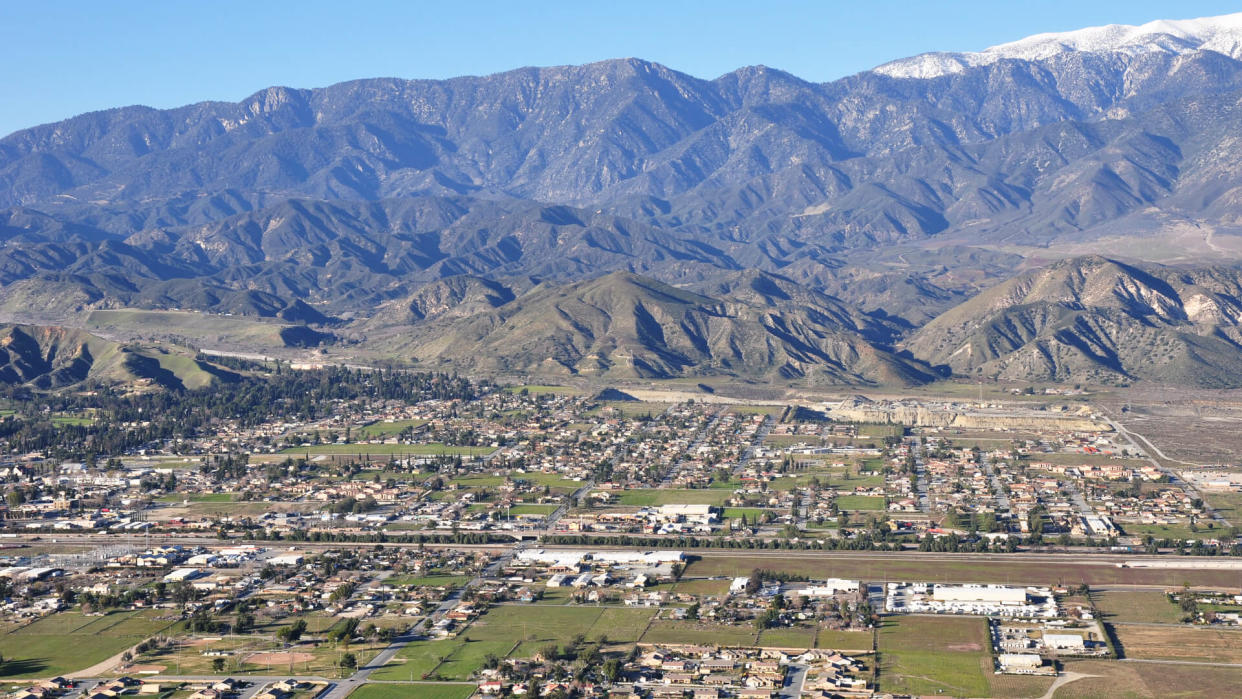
<point>990,594</point>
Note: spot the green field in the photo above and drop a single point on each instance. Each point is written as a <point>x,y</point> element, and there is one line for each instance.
<point>416,659</point>
<point>1149,606</point>
<point>844,640</point>
<point>662,631</point>
<point>736,512</point>
<point>196,497</point>
<point>934,655</point>
<point>859,503</point>
<point>539,625</point>
<point>70,641</point>
<point>788,638</point>
<point>702,587</point>
<point>422,690</point>
<point>651,497</point>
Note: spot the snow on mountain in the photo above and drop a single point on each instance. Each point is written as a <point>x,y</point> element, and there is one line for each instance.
<point>1222,34</point>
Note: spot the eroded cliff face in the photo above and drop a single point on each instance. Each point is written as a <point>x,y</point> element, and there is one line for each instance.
<point>914,414</point>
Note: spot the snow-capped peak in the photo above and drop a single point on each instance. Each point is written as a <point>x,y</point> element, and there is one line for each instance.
<point>1222,34</point>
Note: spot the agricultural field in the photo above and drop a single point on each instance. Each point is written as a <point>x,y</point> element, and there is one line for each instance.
<point>1191,643</point>
<point>1145,606</point>
<point>934,655</point>
<point>1016,686</point>
<point>993,569</point>
<point>1114,679</point>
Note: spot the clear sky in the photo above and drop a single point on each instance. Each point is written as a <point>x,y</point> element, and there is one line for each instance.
<point>64,57</point>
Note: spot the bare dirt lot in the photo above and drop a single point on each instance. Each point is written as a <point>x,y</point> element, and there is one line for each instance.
<point>280,658</point>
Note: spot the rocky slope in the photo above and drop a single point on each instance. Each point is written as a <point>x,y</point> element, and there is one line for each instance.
<point>1096,319</point>
<point>623,325</point>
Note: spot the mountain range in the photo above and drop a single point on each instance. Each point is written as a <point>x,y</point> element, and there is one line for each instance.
<point>622,218</point>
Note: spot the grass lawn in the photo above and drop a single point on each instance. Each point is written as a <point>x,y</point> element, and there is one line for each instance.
<point>934,655</point>
<point>377,430</point>
<point>698,632</point>
<point>196,497</point>
<point>71,641</point>
<point>622,625</point>
<point>416,660</point>
<point>48,655</point>
<point>736,512</point>
<point>703,587</point>
<point>540,625</point>
<point>844,640</point>
<point>543,510</point>
<point>857,503</point>
<point>788,638</point>
<point>422,690</point>
<point>650,497</point>
<point>467,658</point>
<point>1151,606</point>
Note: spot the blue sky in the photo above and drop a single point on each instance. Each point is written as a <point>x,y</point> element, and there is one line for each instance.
<point>62,58</point>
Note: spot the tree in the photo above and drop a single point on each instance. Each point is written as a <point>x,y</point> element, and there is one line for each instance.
<point>349,661</point>
<point>611,669</point>
<point>291,633</point>
<point>217,665</point>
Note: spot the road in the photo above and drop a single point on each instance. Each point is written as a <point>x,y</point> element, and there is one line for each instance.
<point>675,469</point>
<point>1173,475</point>
<point>795,678</point>
<point>920,474</point>
<point>760,435</point>
<point>344,687</point>
<point>998,489</point>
